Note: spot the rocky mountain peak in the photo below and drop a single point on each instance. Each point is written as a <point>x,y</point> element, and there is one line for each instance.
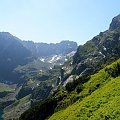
<point>115,24</point>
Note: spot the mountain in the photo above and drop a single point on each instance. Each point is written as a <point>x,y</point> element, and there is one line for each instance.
<point>89,87</point>
<point>15,52</point>
<point>115,23</point>
<point>55,91</point>
<point>27,77</point>
<point>54,53</point>
<point>102,48</point>
<point>12,54</point>
<point>95,54</point>
<point>45,50</point>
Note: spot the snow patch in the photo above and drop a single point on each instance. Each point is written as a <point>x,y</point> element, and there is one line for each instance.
<point>42,59</point>
<point>104,48</point>
<point>102,54</point>
<point>50,68</point>
<point>66,59</point>
<point>55,58</point>
<point>37,84</point>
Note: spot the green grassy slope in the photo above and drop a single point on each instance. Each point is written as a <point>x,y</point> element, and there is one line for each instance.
<point>96,98</point>
<point>5,88</point>
<point>100,98</point>
<point>14,110</point>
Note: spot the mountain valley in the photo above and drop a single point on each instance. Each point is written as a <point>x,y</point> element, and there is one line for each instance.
<point>24,73</point>
<point>61,81</point>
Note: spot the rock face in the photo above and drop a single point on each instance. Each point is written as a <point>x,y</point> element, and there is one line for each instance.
<point>115,24</point>
<point>98,52</point>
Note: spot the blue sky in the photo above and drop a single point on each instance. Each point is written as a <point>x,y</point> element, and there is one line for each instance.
<point>56,20</point>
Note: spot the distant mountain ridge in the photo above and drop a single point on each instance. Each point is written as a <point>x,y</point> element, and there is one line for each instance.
<point>29,69</point>
<point>45,49</point>
<point>15,52</point>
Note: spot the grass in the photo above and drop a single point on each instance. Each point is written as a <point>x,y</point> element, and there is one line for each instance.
<point>5,88</point>
<point>100,98</point>
<point>18,107</point>
<point>102,104</point>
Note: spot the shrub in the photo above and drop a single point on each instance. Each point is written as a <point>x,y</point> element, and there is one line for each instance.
<point>79,88</point>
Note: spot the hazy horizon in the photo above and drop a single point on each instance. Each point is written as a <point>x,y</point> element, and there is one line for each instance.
<point>51,21</point>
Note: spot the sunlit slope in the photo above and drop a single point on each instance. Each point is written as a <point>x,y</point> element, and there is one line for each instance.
<point>100,98</point>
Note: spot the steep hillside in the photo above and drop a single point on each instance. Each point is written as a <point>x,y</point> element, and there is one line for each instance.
<point>102,104</point>
<point>97,99</point>
<point>95,54</point>
<point>17,108</point>
<point>102,49</point>
<point>101,97</point>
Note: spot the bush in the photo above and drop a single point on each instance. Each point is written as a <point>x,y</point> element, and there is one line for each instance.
<point>79,88</point>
